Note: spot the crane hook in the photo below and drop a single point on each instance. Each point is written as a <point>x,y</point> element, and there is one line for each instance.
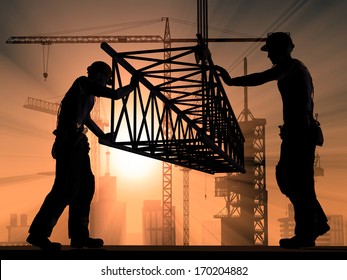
<point>45,60</point>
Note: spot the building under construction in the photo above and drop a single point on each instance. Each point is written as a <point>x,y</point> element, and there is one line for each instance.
<point>152,223</point>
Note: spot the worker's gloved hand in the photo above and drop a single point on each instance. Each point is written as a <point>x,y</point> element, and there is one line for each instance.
<point>207,53</point>
<point>107,137</point>
<point>223,73</point>
<point>135,79</point>
<point>219,69</point>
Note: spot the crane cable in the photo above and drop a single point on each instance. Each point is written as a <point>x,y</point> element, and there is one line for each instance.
<point>45,60</point>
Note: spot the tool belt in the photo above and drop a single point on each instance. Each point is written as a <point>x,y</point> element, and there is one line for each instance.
<point>69,137</point>
<point>314,129</point>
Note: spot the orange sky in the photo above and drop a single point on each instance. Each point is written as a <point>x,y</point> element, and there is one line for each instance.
<point>317,28</point>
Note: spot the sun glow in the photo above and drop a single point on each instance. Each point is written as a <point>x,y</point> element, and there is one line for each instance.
<point>133,167</point>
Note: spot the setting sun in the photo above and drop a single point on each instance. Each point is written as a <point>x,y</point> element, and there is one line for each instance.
<point>133,167</point>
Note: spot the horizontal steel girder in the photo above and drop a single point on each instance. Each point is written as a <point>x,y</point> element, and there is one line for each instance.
<point>179,114</point>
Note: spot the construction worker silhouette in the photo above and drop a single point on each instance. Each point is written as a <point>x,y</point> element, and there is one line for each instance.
<point>74,183</point>
<point>295,169</point>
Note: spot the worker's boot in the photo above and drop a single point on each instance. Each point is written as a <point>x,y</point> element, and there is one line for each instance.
<point>322,229</point>
<point>296,242</point>
<point>86,242</point>
<point>43,243</point>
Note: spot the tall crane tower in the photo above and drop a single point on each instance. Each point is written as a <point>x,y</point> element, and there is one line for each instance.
<point>185,205</point>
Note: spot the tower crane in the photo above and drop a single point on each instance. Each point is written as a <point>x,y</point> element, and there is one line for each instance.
<point>167,41</point>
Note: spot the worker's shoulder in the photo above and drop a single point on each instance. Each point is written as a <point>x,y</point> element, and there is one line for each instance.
<point>289,66</point>
<point>82,79</point>
<point>83,82</point>
<point>298,64</point>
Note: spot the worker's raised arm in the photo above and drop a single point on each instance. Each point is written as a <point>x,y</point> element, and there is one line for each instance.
<point>91,87</point>
<point>126,90</point>
<point>254,79</point>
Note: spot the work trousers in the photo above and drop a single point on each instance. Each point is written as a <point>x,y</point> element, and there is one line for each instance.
<point>295,178</point>
<point>74,185</point>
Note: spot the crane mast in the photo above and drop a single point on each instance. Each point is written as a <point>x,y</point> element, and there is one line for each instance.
<point>168,221</point>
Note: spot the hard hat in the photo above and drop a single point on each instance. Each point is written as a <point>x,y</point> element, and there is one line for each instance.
<point>278,41</point>
<point>100,67</point>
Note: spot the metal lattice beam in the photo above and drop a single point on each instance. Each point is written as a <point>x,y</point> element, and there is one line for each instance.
<point>48,40</point>
<point>42,106</point>
<point>205,134</point>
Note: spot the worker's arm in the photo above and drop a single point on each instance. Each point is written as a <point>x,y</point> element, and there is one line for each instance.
<point>126,90</point>
<point>93,127</point>
<point>123,91</point>
<point>92,88</point>
<point>254,79</point>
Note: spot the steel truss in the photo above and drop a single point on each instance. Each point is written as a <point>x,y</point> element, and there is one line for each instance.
<point>195,128</point>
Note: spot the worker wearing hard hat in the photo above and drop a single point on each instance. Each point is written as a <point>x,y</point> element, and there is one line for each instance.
<point>74,183</point>
<point>295,169</point>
